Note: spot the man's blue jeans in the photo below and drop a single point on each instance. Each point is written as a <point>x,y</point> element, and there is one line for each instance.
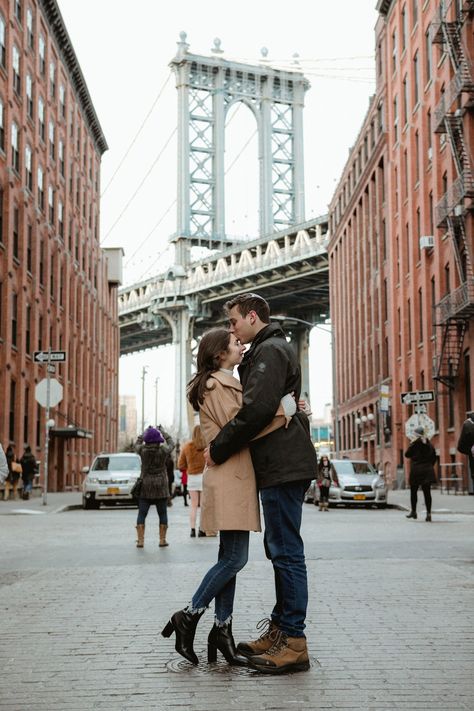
<point>219,581</point>
<point>282,511</point>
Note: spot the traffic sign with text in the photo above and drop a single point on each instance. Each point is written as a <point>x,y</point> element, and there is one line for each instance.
<point>417,396</point>
<point>51,356</point>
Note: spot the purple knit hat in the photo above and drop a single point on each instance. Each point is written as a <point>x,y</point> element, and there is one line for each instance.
<point>153,436</point>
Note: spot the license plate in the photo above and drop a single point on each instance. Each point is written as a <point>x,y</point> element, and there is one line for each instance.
<point>115,490</point>
<point>359,497</point>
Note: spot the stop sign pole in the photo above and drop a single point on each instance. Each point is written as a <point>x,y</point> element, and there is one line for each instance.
<point>46,436</point>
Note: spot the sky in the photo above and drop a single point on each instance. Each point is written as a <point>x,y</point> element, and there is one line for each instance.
<point>124,50</point>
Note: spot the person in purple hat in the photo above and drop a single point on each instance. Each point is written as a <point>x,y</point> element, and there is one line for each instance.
<point>154,481</point>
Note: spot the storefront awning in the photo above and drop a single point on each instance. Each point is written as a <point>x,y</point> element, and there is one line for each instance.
<point>70,433</point>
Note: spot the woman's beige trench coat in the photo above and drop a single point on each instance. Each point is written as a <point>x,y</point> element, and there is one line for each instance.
<point>229,497</point>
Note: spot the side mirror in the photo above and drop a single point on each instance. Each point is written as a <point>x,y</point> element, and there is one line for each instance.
<point>85,470</point>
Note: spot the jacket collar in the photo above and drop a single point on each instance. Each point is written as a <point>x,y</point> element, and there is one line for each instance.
<point>270,331</point>
<point>227,380</point>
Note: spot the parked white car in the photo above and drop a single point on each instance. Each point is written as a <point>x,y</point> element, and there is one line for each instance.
<point>354,482</point>
<point>110,479</point>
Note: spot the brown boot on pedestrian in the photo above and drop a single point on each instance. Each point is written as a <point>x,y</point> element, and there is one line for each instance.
<point>140,535</point>
<point>263,643</point>
<point>288,654</point>
<point>163,529</point>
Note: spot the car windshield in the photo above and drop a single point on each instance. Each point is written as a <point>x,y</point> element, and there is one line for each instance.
<point>348,467</point>
<point>116,464</point>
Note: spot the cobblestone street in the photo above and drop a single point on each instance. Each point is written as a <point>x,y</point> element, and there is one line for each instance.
<point>390,621</point>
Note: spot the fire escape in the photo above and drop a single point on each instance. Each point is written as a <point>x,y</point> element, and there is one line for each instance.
<point>455,107</point>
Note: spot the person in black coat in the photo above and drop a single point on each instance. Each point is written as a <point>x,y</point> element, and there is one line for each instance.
<point>466,441</point>
<point>28,466</point>
<point>284,462</point>
<point>423,456</point>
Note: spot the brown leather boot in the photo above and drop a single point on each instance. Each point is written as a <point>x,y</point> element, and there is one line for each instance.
<point>140,535</point>
<point>163,529</point>
<point>288,654</point>
<point>263,643</point>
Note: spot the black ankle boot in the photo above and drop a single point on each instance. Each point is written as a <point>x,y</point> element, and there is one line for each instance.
<point>193,533</point>
<point>412,514</point>
<point>221,638</point>
<point>183,624</point>
<point>201,534</point>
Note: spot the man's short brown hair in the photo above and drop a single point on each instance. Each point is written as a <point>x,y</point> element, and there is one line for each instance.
<point>249,302</point>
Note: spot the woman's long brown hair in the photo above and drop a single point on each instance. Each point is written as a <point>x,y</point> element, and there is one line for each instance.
<point>213,343</point>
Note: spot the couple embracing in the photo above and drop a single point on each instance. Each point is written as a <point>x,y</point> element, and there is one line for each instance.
<point>256,440</point>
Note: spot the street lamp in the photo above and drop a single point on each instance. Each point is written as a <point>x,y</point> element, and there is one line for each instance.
<point>144,372</point>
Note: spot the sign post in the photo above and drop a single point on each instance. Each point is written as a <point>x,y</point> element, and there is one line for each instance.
<point>48,393</point>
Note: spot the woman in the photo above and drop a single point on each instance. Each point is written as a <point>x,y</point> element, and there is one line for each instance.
<point>28,466</point>
<point>14,472</point>
<point>154,481</point>
<point>191,459</point>
<point>324,482</point>
<point>229,501</point>
<point>423,456</point>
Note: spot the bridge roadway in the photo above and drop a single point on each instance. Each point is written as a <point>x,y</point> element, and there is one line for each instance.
<point>288,268</point>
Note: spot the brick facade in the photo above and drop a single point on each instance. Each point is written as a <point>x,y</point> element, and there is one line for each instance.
<point>54,287</point>
<point>392,298</point>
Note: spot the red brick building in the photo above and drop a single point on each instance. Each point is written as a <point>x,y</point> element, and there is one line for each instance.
<point>401,249</point>
<point>56,290</point>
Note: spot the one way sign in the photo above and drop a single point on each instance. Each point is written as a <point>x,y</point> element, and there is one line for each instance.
<point>417,396</point>
<point>51,356</point>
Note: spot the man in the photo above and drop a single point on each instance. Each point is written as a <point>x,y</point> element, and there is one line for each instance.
<point>284,463</point>
<point>466,441</point>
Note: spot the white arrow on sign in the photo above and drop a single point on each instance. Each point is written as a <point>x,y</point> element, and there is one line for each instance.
<point>55,392</point>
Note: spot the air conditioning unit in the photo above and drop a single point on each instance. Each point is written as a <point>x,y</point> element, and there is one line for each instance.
<point>430,153</point>
<point>458,210</point>
<point>427,242</point>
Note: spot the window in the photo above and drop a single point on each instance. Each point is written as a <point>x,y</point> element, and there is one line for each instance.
<point>16,69</point>
<point>417,156</point>
<point>395,119</point>
<point>51,283</point>
<point>28,329</point>
<point>405,165</point>
<point>407,242</point>
<point>18,10</point>
<point>29,28</point>
<point>2,126</point>
<point>420,315</point>
<point>25,413</point>
<point>40,333</point>
<point>62,100</point>
<point>41,124</point>
<point>415,11</point>
<point>418,232</point>
<point>29,95</point>
<point>40,189</point>
<point>15,148</point>
<point>29,247</point>
<point>52,79</point>
<point>3,49</point>
<point>428,55</point>
<point>42,54</point>
<point>416,79</point>
<point>430,207</point>
<point>61,157</point>
<point>16,231</point>
<point>394,51</point>
<point>11,418</point>
<point>428,129</point>
<point>399,321</point>
<point>409,323</point>
<point>28,169</point>
<point>405,100</point>
<point>14,319</point>
<point>52,151</point>
<point>1,215</point>
<point>51,204</point>
<point>404,27</point>
<point>385,300</point>
<point>61,219</point>
<point>447,279</point>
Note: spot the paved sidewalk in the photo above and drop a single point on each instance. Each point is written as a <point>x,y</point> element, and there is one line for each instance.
<point>55,503</point>
<point>442,503</point>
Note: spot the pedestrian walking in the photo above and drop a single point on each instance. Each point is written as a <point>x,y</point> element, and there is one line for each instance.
<point>3,466</point>
<point>423,456</point>
<point>184,485</point>
<point>153,480</point>
<point>323,481</point>
<point>191,459</point>
<point>170,473</point>
<point>29,467</point>
<point>14,473</point>
<point>284,462</point>
<point>466,441</point>
<point>229,501</point>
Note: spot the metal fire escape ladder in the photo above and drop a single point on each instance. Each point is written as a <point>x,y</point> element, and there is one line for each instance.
<point>447,362</point>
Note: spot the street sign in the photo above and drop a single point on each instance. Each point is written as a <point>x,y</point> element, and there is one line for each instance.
<point>384,402</point>
<point>417,396</point>
<point>52,356</point>
<point>419,420</point>
<point>55,392</point>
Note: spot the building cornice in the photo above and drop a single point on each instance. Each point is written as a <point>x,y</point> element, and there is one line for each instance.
<point>383,6</point>
<point>58,29</point>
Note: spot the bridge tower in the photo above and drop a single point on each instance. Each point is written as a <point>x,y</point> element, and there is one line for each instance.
<point>207,88</point>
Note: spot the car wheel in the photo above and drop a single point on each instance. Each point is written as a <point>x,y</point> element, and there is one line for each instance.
<point>381,506</point>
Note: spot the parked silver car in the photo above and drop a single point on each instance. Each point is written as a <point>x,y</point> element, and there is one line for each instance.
<point>110,479</point>
<point>354,482</point>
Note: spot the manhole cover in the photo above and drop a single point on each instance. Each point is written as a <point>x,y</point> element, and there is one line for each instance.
<point>178,665</point>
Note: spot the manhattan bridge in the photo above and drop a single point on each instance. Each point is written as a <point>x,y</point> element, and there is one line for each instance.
<point>287,264</point>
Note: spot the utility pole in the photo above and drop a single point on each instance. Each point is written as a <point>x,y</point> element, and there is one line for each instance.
<point>144,372</point>
<point>156,401</point>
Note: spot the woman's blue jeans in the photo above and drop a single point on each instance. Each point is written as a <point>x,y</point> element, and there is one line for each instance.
<point>161,507</point>
<point>282,510</point>
<point>219,581</point>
